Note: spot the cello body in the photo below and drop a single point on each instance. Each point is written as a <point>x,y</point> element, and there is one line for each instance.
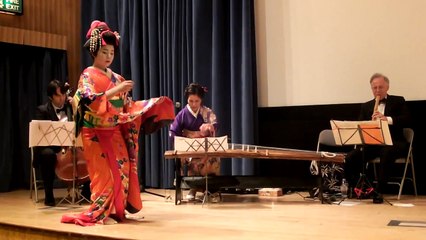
<point>65,165</point>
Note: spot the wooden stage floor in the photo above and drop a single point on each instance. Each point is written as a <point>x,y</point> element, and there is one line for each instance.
<point>238,216</point>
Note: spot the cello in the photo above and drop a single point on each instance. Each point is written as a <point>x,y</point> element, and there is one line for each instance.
<point>72,156</point>
<point>66,159</point>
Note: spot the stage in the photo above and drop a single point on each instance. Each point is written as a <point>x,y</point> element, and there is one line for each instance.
<point>238,216</point>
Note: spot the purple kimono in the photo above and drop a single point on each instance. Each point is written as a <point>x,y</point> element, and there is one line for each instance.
<point>186,125</point>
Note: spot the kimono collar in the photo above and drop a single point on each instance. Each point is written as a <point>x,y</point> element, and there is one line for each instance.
<point>195,114</point>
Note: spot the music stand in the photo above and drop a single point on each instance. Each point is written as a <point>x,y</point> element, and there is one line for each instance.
<point>54,133</point>
<point>362,133</point>
<point>206,144</point>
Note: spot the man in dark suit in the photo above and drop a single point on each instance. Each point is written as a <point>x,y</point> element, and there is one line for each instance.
<point>57,108</point>
<point>392,109</point>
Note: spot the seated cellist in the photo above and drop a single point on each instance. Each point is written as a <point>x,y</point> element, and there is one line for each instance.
<point>57,108</point>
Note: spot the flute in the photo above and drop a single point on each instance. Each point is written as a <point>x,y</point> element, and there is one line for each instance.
<point>376,105</point>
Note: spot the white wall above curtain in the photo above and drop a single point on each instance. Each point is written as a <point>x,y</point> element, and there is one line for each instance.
<point>323,52</point>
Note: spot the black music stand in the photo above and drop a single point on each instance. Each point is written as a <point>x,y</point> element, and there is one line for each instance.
<point>362,133</point>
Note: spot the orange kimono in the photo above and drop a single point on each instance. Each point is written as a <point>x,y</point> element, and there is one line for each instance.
<point>110,130</point>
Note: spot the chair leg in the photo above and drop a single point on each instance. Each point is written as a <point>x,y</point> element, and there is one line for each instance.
<point>414,174</point>
<point>401,185</point>
<point>33,179</point>
<point>31,174</point>
<point>31,183</point>
<point>35,185</point>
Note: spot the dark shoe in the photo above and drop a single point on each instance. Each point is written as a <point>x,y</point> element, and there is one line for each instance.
<point>49,202</point>
<point>49,199</point>
<point>378,198</point>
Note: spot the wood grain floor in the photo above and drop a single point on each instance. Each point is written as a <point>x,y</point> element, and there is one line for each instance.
<point>244,216</point>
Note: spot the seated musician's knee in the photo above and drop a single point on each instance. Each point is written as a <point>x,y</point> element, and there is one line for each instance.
<point>47,157</point>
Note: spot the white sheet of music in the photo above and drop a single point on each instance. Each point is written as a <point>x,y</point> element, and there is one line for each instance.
<point>52,133</point>
<point>213,144</point>
<point>350,132</point>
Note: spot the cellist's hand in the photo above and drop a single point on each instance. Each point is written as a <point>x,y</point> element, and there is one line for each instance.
<point>70,99</point>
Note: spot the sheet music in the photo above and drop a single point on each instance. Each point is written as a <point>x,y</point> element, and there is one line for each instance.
<point>208,144</point>
<point>52,133</point>
<point>361,132</point>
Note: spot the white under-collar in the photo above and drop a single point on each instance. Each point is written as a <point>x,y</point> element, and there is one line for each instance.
<point>195,114</point>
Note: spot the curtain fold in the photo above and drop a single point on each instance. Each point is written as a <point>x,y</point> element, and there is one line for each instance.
<point>25,72</point>
<point>167,44</point>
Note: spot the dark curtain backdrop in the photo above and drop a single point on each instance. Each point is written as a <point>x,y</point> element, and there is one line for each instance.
<point>167,44</point>
<point>25,72</point>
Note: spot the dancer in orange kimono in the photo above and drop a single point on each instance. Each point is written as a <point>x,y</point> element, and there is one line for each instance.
<point>109,123</point>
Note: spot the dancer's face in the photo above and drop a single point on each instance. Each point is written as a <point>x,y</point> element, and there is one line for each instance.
<point>104,57</point>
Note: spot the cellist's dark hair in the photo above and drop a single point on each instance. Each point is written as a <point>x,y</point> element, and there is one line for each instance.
<point>195,89</point>
<point>55,84</point>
